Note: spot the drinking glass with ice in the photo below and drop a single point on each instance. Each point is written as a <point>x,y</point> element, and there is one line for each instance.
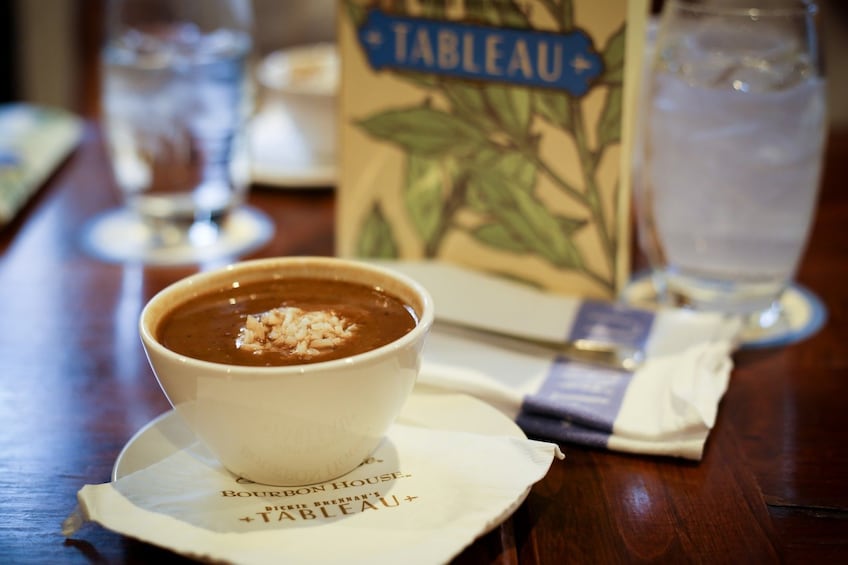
<point>176,100</point>
<point>734,133</point>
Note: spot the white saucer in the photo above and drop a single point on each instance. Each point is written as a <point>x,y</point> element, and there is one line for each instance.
<point>280,155</point>
<point>193,530</point>
<point>426,407</point>
<point>118,236</point>
<point>802,314</point>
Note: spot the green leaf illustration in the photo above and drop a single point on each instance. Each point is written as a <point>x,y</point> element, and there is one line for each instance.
<point>496,12</point>
<point>512,106</point>
<point>424,80</point>
<point>553,106</point>
<point>424,195</point>
<point>497,236</point>
<point>424,131</point>
<point>609,125</point>
<point>613,57</point>
<point>486,158</point>
<point>562,11</point>
<point>375,237</point>
<point>502,186</point>
<point>530,222</point>
<point>511,15</point>
<point>469,103</point>
<point>516,168</point>
<point>571,226</point>
<point>356,12</point>
<point>433,8</point>
<point>509,165</point>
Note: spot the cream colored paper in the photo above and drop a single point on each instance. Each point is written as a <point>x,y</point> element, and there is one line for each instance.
<point>529,182</point>
<point>424,496</point>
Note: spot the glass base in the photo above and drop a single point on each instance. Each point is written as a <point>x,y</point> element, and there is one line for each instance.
<point>793,317</point>
<point>120,236</point>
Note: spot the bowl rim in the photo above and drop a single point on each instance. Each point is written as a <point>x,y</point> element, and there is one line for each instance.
<point>425,318</point>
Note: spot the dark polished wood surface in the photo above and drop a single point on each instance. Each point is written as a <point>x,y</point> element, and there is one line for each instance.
<point>75,386</point>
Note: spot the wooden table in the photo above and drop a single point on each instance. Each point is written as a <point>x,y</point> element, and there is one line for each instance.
<point>75,386</point>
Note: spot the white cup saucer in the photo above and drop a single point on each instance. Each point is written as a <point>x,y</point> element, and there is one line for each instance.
<point>426,407</point>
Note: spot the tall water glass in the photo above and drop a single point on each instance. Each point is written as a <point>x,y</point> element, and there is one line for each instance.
<point>176,100</point>
<point>734,135</point>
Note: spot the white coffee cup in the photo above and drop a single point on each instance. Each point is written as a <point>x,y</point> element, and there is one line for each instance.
<point>298,424</point>
<point>303,82</point>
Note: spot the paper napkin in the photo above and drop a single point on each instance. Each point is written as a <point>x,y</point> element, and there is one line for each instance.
<point>33,141</point>
<point>423,496</point>
<point>666,407</point>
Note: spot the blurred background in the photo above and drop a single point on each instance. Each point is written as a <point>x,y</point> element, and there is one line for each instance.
<point>48,47</point>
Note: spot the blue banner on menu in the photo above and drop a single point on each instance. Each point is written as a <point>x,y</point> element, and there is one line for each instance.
<point>565,61</point>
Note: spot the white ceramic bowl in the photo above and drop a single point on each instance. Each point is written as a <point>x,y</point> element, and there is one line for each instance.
<point>304,80</point>
<point>290,425</point>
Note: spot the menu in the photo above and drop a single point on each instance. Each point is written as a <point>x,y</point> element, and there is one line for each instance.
<point>491,134</point>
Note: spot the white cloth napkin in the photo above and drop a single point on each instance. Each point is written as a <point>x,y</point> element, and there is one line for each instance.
<point>666,407</point>
<point>423,497</point>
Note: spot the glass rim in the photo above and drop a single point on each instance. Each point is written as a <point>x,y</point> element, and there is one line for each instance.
<point>783,9</point>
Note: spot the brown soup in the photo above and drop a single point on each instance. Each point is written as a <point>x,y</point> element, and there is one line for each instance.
<point>212,327</point>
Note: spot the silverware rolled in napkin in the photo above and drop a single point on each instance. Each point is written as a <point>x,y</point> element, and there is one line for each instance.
<point>520,314</point>
<point>594,352</point>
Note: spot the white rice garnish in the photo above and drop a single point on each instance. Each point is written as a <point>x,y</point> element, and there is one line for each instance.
<point>291,330</point>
